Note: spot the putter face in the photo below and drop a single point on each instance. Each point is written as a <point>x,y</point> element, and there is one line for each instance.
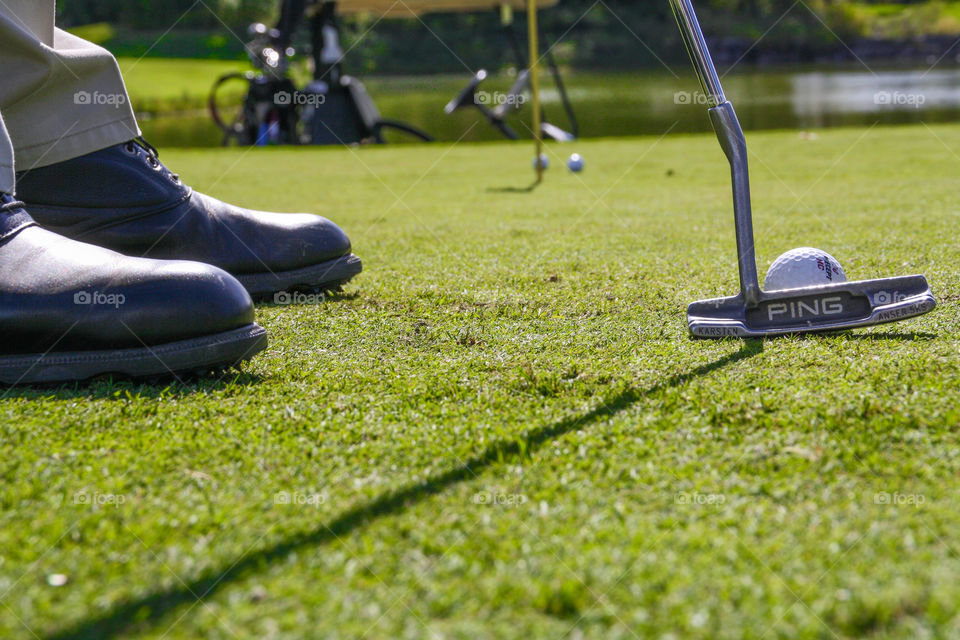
<point>832,307</point>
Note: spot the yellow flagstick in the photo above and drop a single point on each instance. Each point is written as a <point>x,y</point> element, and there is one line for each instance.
<point>535,82</point>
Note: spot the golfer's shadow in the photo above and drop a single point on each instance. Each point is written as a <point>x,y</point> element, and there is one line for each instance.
<point>124,616</point>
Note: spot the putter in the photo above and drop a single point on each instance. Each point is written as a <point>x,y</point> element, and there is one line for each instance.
<point>758,313</point>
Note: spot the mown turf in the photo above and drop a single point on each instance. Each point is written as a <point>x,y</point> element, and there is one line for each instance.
<point>502,430</point>
<point>172,84</point>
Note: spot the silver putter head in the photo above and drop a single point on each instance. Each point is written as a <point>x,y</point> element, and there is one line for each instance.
<point>756,313</point>
<point>832,307</point>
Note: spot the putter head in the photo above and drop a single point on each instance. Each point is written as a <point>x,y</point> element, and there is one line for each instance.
<point>833,307</point>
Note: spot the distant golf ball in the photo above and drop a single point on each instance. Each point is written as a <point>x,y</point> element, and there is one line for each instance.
<point>803,267</point>
<point>575,163</point>
<point>544,162</point>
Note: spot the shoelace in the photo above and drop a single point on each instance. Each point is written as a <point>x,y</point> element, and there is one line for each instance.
<point>153,156</point>
<point>149,148</point>
<point>13,205</point>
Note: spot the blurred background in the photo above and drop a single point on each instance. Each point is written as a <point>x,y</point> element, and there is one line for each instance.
<point>800,64</point>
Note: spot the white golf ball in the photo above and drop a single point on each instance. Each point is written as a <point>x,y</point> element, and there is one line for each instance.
<point>544,162</point>
<point>575,163</point>
<point>803,267</point>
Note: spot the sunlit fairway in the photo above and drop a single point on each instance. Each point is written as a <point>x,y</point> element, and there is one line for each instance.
<point>165,84</point>
<point>502,430</point>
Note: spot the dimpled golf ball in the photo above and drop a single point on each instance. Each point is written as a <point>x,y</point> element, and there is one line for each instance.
<point>575,163</point>
<point>544,162</point>
<point>803,267</point>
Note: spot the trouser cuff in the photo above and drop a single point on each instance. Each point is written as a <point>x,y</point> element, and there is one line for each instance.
<point>77,143</point>
<point>7,179</point>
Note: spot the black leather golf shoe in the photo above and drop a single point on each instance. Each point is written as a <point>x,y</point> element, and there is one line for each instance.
<point>122,198</point>
<point>71,311</point>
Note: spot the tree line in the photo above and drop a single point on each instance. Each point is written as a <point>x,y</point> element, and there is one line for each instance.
<point>593,33</point>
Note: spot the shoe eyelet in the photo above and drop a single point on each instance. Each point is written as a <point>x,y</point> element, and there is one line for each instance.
<point>130,148</point>
<point>153,162</point>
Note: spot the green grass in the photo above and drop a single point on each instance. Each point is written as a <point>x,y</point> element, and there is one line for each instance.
<point>97,33</point>
<point>530,346</point>
<point>898,20</point>
<point>893,9</point>
<point>172,84</point>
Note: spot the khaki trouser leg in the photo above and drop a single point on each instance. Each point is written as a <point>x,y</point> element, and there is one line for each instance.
<point>61,96</point>
<point>6,161</point>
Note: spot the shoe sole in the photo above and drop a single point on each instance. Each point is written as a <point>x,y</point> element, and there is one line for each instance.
<point>219,351</point>
<point>326,276</point>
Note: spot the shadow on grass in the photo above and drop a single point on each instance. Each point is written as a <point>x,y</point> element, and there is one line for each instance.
<point>877,336</point>
<point>109,388</point>
<point>529,189</point>
<point>911,336</point>
<point>317,299</point>
<point>126,616</point>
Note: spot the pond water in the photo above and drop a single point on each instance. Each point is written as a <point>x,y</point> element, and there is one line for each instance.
<point>650,103</point>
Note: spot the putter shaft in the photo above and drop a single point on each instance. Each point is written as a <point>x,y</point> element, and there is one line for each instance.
<point>734,144</point>
<point>696,46</point>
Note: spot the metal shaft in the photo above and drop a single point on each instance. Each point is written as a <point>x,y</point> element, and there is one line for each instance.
<point>697,48</point>
<point>730,134</point>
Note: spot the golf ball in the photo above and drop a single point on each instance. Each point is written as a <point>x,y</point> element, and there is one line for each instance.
<point>544,162</point>
<point>803,267</point>
<point>575,163</point>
